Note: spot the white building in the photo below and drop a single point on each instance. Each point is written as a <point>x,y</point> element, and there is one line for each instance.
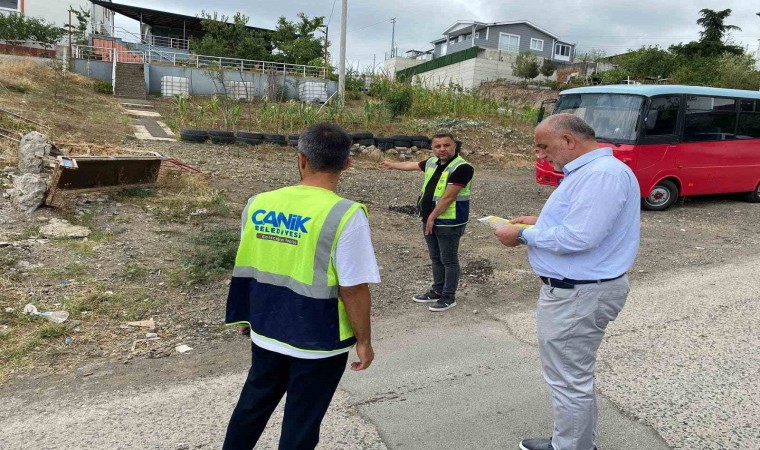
<point>57,12</point>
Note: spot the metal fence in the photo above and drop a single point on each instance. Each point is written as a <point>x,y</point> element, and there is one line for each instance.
<point>197,61</point>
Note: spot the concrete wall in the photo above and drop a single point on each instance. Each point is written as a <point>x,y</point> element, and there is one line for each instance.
<point>471,73</point>
<point>202,84</point>
<point>100,70</point>
<point>393,65</point>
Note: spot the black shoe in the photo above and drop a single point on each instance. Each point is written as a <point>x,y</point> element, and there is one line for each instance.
<point>443,304</point>
<point>427,297</point>
<point>536,444</point>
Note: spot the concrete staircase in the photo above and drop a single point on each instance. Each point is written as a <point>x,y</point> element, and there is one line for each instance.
<point>130,80</point>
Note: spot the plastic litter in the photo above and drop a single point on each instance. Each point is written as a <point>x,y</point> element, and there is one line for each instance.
<point>53,316</point>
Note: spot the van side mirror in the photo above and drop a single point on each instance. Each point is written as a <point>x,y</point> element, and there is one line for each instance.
<point>542,110</point>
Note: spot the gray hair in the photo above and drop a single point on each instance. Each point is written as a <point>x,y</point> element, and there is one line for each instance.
<point>572,124</point>
<point>326,147</point>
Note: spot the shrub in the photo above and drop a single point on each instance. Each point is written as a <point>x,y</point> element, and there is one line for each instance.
<point>103,87</point>
<point>399,99</point>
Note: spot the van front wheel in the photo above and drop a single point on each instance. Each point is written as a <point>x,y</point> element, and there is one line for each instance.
<point>664,194</point>
<point>754,196</point>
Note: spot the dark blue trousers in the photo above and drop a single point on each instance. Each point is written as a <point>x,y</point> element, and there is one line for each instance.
<point>310,385</point>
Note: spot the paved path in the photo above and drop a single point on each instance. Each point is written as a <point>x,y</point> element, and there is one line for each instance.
<point>146,121</point>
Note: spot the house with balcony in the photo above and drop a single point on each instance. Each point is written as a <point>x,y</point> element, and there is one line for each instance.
<point>470,53</point>
<point>57,12</point>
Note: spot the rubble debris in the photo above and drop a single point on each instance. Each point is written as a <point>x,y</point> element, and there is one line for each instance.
<point>32,149</point>
<point>73,175</point>
<point>134,344</point>
<point>62,229</point>
<point>183,348</point>
<point>28,192</point>
<point>150,324</point>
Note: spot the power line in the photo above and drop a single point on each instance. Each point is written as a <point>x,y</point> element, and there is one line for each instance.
<point>362,28</point>
<point>331,13</point>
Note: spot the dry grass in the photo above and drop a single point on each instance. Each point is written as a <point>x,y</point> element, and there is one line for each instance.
<point>67,106</point>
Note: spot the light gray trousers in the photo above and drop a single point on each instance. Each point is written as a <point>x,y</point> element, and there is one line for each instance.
<point>570,325</point>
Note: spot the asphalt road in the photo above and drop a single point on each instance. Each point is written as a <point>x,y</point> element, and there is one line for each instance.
<point>681,362</point>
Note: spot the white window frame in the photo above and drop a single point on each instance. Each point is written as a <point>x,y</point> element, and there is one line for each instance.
<point>18,7</point>
<point>558,46</point>
<point>444,49</point>
<point>477,35</point>
<point>539,44</point>
<point>508,48</point>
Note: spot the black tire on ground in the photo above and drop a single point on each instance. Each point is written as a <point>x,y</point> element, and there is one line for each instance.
<point>294,137</point>
<point>360,136</point>
<point>400,143</point>
<point>664,194</point>
<point>221,133</point>
<point>419,138</point>
<point>193,135</point>
<point>421,144</point>
<point>384,145</point>
<point>754,196</point>
<point>223,140</point>
<point>366,142</point>
<point>400,137</point>
<point>249,135</point>
<point>249,141</point>
<point>273,137</point>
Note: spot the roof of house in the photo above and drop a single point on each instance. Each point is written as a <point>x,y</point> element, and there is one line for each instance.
<point>467,24</point>
<point>155,17</point>
<point>650,90</point>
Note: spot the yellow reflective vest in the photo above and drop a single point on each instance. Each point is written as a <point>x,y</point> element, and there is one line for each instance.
<point>458,212</point>
<point>284,285</point>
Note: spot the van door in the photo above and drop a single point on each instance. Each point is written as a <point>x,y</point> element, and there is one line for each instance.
<point>707,158</point>
<point>655,157</point>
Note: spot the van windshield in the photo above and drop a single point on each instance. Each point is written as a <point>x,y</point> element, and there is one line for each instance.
<point>614,117</point>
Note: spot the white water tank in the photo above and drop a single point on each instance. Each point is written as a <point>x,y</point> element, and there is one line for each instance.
<point>171,86</point>
<point>312,91</point>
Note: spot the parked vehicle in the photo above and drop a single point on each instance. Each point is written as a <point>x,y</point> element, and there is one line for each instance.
<point>678,140</point>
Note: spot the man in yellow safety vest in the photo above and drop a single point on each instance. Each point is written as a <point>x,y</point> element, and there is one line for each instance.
<point>300,283</point>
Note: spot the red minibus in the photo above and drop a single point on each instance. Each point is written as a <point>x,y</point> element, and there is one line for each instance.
<point>678,140</point>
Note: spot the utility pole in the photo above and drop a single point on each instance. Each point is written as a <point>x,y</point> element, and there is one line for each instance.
<point>327,60</point>
<point>393,38</point>
<point>342,61</point>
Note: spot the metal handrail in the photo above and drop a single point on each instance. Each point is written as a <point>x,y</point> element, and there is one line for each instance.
<point>201,61</point>
<point>159,41</point>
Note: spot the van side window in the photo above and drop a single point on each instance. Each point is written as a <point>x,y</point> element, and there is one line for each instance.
<point>749,120</point>
<point>710,119</point>
<point>662,116</point>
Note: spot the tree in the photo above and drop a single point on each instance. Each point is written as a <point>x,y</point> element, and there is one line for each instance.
<point>525,66</point>
<point>295,43</point>
<point>647,62</point>
<point>79,31</point>
<point>16,28</point>
<point>231,40</point>
<point>547,68</point>
<point>713,39</point>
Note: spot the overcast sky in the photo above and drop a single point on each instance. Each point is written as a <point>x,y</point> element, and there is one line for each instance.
<point>612,26</point>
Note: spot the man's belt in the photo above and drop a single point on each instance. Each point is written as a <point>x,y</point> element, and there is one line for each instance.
<point>568,283</point>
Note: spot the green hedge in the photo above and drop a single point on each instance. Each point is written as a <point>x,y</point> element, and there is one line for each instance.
<point>442,61</point>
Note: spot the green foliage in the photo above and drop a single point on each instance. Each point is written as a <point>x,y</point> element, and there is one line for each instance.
<point>295,41</point>
<point>79,31</point>
<point>646,62</point>
<point>213,254</point>
<point>712,41</point>
<point>16,28</point>
<point>51,330</point>
<point>399,99</point>
<point>547,68</point>
<point>728,71</point>
<point>231,40</point>
<point>103,87</point>
<point>525,65</point>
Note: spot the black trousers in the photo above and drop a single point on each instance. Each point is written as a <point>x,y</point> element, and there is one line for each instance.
<point>310,385</point>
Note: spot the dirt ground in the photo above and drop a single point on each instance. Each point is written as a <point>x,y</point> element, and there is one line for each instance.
<point>136,260</point>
